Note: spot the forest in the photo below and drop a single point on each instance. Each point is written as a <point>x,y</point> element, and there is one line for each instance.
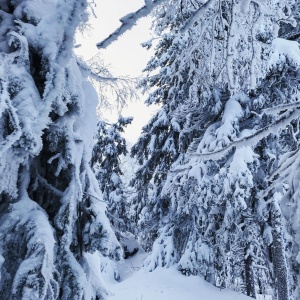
<point>215,187</point>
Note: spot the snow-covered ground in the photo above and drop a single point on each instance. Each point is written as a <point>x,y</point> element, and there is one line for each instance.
<point>163,284</point>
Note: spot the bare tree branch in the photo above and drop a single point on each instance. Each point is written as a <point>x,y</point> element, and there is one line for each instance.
<point>129,21</point>
<point>113,92</point>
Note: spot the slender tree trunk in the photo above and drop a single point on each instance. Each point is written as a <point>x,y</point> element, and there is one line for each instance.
<point>278,254</point>
<point>280,267</point>
<point>250,287</point>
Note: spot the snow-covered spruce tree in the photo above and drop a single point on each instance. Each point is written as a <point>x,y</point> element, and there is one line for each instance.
<point>51,217</point>
<point>163,138</point>
<point>206,213</point>
<point>279,100</point>
<point>110,146</point>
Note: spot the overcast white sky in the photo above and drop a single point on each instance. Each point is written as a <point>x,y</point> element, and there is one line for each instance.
<point>125,56</point>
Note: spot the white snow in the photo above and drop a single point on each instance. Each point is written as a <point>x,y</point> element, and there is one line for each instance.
<point>163,284</point>
<point>127,240</point>
<point>284,50</point>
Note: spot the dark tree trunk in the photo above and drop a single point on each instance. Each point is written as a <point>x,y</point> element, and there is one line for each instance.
<point>250,287</point>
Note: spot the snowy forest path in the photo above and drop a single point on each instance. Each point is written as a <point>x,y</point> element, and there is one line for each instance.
<point>163,284</point>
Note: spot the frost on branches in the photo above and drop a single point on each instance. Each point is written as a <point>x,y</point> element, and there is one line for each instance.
<point>52,223</point>
<point>106,161</point>
<point>214,193</point>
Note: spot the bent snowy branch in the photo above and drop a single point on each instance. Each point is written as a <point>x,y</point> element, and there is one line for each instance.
<point>253,139</point>
<point>196,16</point>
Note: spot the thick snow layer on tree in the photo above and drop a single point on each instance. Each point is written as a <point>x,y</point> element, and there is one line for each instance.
<point>229,90</point>
<point>284,50</point>
<point>52,213</point>
<point>87,124</point>
<point>164,284</point>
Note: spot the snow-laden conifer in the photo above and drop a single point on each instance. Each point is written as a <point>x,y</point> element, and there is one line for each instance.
<point>110,147</point>
<point>217,72</point>
<point>52,218</point>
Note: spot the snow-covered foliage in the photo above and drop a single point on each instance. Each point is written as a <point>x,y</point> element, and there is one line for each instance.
<point>217,191</point>
<point>51,217</point>
<point>210,187</point>
<point>110,146</point>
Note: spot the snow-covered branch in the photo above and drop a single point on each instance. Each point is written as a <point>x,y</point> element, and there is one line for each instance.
<point>129,21</point>
<point>253,139</point>
<point>279,108</point>
<point>197,15</point>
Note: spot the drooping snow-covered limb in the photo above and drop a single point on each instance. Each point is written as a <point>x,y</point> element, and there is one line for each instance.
<point>129,21</point>
<point>284,172</point>
<point>279,108</point>
<point>253,139</point>
<point>197,15</point>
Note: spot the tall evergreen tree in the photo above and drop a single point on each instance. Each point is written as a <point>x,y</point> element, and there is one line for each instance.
<point>110,146</point>
<point>51,219</point>
<point>221,95</point>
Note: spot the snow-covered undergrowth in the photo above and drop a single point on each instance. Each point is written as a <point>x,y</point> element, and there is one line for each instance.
<point>163,284</point>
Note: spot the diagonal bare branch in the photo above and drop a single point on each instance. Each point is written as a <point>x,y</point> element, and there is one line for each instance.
<point>129,21</point>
